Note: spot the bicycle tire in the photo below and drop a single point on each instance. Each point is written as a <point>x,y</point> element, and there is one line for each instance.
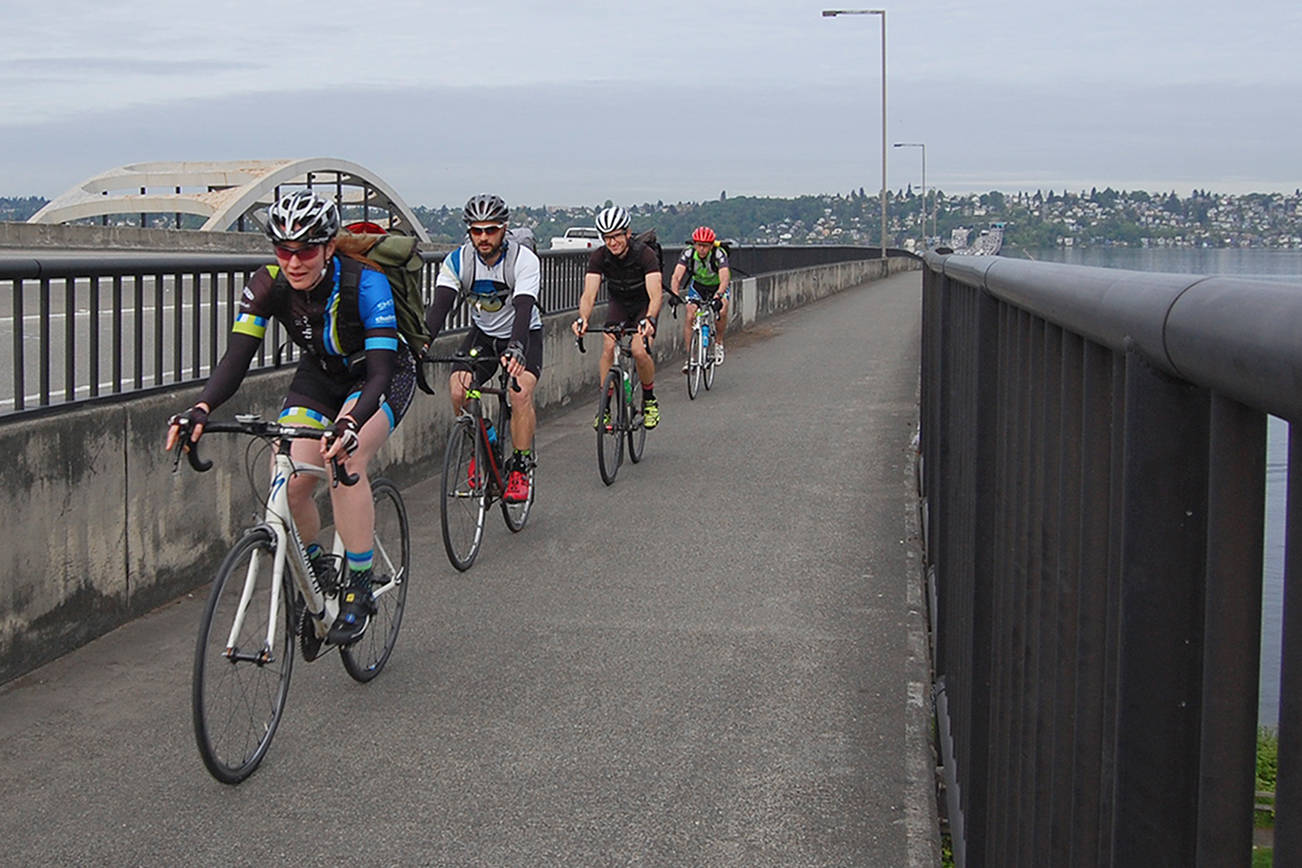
<point>634,426</point>
<point>610,439</point>
<point>694,365</point>
<point>465,495</point>
<point>237,701</point>
<point>392,546</point>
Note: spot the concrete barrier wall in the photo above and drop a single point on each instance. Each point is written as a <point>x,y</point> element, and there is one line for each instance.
<point>99,530</point>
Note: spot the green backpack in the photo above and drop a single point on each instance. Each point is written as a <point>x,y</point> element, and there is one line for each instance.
<point>401,262</point>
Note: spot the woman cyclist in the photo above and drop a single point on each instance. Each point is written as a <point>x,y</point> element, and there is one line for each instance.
<point>351,382</point>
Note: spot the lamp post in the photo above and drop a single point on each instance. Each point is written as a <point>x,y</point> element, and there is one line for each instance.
<point>924,186</point>
<point>832,13</point>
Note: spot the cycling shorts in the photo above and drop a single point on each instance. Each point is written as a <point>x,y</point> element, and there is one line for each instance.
<point>315,397</point>
<point>700,292</point>
<point>490,352</point>
<point>617,313</point>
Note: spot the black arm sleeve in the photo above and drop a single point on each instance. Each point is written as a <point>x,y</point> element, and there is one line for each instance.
<point>438,311</point>
<point>523,305</point>
<point>380,365</point>
<point>230,371</point>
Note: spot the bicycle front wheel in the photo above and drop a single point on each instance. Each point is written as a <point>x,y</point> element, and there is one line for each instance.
<point>392,546</point>
<point>610,439</point>
<point>465,494</point>
<point>634,425</point>
<point>240,682</point>
<point>694,365</point>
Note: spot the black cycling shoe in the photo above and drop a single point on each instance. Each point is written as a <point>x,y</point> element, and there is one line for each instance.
<point>356,606</point>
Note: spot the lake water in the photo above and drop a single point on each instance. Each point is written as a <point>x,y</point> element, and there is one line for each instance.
<point>1274,265</point>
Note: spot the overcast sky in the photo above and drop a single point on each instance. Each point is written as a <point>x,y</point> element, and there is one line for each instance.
<point>585,100</point>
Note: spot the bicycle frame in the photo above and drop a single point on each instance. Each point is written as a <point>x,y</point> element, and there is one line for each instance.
<point>280,521</point>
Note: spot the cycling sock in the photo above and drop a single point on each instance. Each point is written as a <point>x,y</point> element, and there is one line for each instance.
<point>648,391</point>
<point>313,550</point>
<point>360,561</point>
<point>524,453</point>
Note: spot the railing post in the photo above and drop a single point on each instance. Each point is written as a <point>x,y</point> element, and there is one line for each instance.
<point>1288,786</point>
<point>1235,538</point>
<point>1163,582</point>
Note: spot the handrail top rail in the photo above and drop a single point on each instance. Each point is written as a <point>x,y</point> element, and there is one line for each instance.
<point>1236,336</point>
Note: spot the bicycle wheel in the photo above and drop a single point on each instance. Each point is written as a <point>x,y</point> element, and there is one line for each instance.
<point>634,426</point>
<point>694,365</point>
<point>238,689</point>
<point>516,514</point>
<point>465,493</point>
<point>610,439</point>
<point>392,546</point>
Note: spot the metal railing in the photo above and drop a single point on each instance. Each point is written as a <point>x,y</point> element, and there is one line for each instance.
<point>89,326</point>
<point>1093,479</point>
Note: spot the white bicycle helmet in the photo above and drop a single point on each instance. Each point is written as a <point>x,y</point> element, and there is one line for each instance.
<point>303,216</point>
<point>485,208</point>
<point>612,219</point>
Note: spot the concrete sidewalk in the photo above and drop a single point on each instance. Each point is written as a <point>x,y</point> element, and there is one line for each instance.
<point>720,659</point>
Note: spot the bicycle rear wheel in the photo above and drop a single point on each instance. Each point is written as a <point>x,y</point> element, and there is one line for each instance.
<point>392,546</point>
<point>465,493</point>
<point>239,684</point>
<point>634,426</point>
<point>694,365</point>
<point>610,439</point>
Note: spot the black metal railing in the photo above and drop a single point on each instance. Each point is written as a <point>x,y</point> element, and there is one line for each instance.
<point>1093,479</point>
<point>88,326</point>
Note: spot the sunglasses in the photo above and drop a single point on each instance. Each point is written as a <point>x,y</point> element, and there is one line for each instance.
<point>309,251</point>
<point>484,230</point>
<point>615,235</point>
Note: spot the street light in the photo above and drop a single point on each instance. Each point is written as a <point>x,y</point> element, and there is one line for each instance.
<point>832,13</point>
<point>924,187</point>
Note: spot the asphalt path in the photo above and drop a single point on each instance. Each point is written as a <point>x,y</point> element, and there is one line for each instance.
<point>718,660</point>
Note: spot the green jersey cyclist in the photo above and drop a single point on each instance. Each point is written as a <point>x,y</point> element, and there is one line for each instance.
<point>707,264</point>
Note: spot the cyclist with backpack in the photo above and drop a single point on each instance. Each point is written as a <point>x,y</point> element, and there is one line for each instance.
<point>351,382</point>
<point>631,269</point>
<point>707,263</point>
<point>501,274</point>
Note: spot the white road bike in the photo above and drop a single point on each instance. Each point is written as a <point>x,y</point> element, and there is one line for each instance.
<point>266,594</point>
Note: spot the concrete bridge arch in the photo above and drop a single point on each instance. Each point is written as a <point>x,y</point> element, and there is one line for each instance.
<point>231,195</point>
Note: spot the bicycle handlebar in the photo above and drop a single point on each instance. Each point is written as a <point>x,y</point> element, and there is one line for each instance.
<point>464,357</point>
<point>617,329</point>
<point>254,427</point>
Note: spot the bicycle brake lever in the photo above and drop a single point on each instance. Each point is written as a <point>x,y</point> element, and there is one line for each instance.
<point>341,474</point>
<point>579,340</point>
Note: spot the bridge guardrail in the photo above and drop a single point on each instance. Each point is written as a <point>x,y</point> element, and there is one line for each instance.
<point>87,327</point>
<point>1093,489</point>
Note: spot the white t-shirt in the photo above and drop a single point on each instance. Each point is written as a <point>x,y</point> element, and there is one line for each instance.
<point>494,313</point>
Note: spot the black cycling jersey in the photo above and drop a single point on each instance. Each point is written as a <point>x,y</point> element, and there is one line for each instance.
<point>351,336</point>
<point>626,275</point>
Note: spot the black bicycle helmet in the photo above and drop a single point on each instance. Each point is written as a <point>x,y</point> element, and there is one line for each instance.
<point>485,208</point>
<point>303,216</point>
